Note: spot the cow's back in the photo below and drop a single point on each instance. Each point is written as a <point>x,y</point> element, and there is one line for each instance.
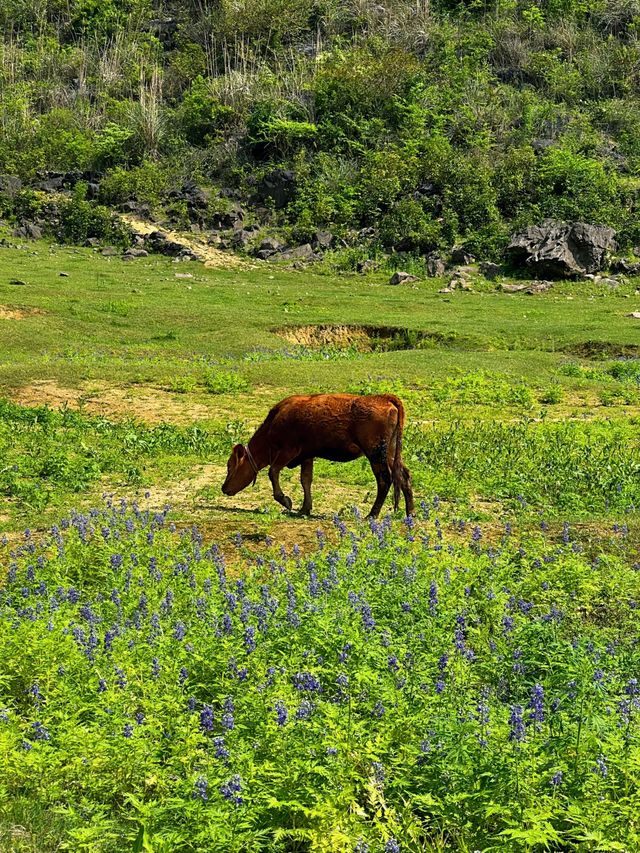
<point>332,426</point>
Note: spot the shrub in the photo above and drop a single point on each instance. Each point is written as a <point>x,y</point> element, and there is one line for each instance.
<point>408,228</point>
<point>273,131</point>
<point>201,116</point>
<point>145,183</point>
<point>81,220</point>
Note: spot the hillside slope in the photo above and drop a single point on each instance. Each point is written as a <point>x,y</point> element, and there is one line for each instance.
<point>405,125</point>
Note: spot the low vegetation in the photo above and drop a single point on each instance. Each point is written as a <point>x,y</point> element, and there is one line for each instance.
<point>426,686</point>
<point>394,124</point>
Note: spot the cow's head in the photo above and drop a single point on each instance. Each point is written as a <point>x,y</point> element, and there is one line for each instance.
<point>241,471</point>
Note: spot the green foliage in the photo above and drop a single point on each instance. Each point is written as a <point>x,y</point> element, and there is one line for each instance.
<point>224,382</point>
<point>146,183</point>
<point>81,220</point>
<point>272,133</point>
<point>407,227</point>
<point>202,117</point>
<point>493,121</point>
<point>434,679</point>
<point>573,186</point>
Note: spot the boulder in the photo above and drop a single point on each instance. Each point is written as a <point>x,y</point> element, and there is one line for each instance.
<point>530,287</point>
<point>279,185</point>
<point>240,238</point>
<point>271,244</point>
<point>51,184</point>
<point>560,249</point>
<point>322,240</point>
<point>265,254</point>
<point>436,266</point>
<point>625,266</point>
<point>109,252</point>
<point>29,230</point>
<point>135,252</point>
<point>401,277</point>
<point>303,253</point>
<point>10,184</point>
<point>231,218</point>
<point>459,255</point>
<point>490,270</point>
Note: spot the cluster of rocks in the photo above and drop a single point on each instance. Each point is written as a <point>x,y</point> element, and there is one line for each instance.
<point>272,249</point>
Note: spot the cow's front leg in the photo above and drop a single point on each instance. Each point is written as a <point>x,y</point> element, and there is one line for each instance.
<point>306,478</point>
<point>278,494</point>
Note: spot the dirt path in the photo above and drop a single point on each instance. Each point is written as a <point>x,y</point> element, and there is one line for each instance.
<point>212,258</point>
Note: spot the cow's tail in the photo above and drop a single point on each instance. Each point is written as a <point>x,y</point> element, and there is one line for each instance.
<point>396,468</point>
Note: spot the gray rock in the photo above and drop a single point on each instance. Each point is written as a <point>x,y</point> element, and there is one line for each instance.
<point>10,184</point>
<point>401,277</point>
<point>304,251</point>
<point>241,238</point>
<point>51,185</point>
<point>265,254</point>
<point>490,270</point>
<point>459,255</point>
<point>271,244</point>
<point>367,266</point>
<point>109,252</point>
<point>322,240</point>
<point>279,185</point>
<point>135,252</point>
<point>17,281</point>
<point>436,266</point>
<point>635,315</point>
<point>64,275</point>
<point>528,287</point>
<point>560,249</point>
<point>28,230</point>
<point>625,266</point>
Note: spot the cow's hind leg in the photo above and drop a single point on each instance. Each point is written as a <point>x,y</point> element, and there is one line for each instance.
<point>382,472</point>
<point>278,494</point>
<point>306,478</point>
<point>407,491</point>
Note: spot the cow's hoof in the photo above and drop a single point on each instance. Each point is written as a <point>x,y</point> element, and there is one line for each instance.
<point>305,510</point>
<point>286,502</point>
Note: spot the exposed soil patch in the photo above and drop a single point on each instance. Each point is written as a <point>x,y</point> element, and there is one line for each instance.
<point>207,254</point>
<point>374,338</point>
<point>152,405</point>
<point>603,350</point>
<point>10,312</point>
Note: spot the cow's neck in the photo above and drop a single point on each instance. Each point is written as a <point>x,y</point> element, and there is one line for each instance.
<point>259,449</point>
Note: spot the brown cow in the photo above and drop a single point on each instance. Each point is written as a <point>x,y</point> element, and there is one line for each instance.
<point>339,427</point>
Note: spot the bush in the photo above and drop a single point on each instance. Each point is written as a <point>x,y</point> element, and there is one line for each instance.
<point>571,186</point>
<point>201,116</point>
<point>272,133</point>
<point>145,183</point>
<point>81,220</point>
<point>408,228</point>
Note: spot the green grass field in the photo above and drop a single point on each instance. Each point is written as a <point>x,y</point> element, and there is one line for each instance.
<point>132,346</point>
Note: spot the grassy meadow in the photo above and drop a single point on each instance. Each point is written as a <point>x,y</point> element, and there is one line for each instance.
<point>184,671</point>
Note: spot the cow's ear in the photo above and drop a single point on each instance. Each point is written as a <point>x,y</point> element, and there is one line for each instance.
<point>239,452</point>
